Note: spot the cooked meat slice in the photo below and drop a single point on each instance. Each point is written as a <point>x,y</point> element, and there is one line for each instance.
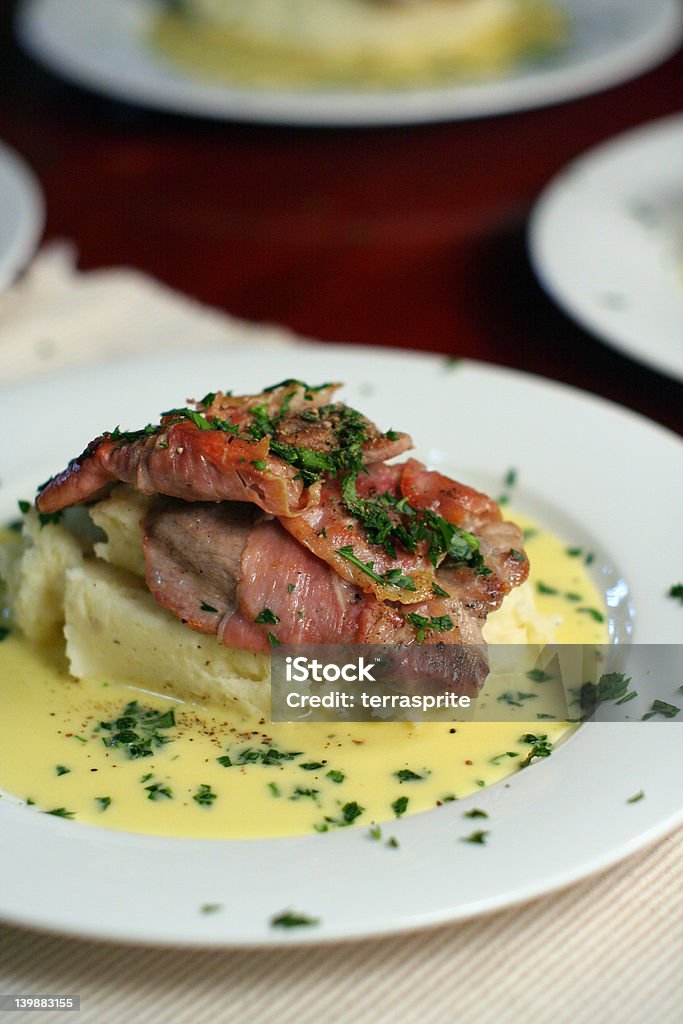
<point>182,461</point>
<point>270,449</point>
<point>299,598</point>
<point>329,527</point>
<point>250,582</point>
<point>501,543</point>
<point>193,553</point>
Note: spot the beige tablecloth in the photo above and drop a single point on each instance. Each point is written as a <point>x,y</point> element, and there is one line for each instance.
<point>607,950</point>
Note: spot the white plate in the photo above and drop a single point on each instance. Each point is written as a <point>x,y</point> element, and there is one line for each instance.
<point>22,215</point>
<point>606,239</point>
<point>101,45</point>
<point>592,470</point>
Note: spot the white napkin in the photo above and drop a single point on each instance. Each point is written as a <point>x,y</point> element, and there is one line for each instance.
<point>56,316</point>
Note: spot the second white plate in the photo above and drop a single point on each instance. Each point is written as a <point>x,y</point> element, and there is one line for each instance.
<point>102,45</point>
<point>22,215</point>
<point>606,240</point>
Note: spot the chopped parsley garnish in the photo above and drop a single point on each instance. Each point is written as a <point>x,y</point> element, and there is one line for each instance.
<point>393,578</point>
<point>138,730</point>
<point>400,806</point>
<point>290,587</point>
<point>516,699</point>
<point>351,811</point>
<point>540,747</point>
<point>274,788</point>
<point>478,837</point>
<point>259,464</point>
<point>610,686</point>
<point>61,812</point>
<point>676,591</point>
<point>636,797</point>
<point>375,832</point>
<point>254,755</point>
<point>62,770</point>
<point>660,707</point>
<point>157,789</point>
<point>543,588</point>
<point>392,842</point>
<point>293,919</point>
<point>311,766</point>
<point>510,478</point>
<point>103,801</point>
<point>204,795</point>
<point>439,591</point>
<point>537,675</point>
<point>267,616</point>
<point>273,640</point>
<point>335,776</point>
<point>499,757</point>
<point>423,625</point>
<point>389,521</point>
<point>300,791</point>
<point>596,615</point>
<point>407,775</point>
<point>207,607</point>
<point>476,812</point>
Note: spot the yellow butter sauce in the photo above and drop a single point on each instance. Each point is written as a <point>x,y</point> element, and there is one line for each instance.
<point>53,752</point>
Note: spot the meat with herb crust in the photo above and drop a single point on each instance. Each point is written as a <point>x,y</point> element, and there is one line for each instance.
<point>360,551</point>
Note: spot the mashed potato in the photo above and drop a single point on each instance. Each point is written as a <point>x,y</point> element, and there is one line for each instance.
<point>363,42</point>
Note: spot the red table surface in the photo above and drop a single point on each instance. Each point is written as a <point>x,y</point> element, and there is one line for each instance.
<point>412,237</point>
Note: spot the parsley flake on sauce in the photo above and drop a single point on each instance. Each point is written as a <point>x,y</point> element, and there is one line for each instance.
<point>540,747</point>
<point>676,591</point>
<point>61,812</point>
<point>407,775</point>
<point>400,806</point>
<point>157,790</point>
<point>204,795</point>
<point>138,730</point>
<point>537,675</point>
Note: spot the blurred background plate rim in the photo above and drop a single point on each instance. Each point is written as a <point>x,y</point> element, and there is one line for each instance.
<point>51,31</point>
<point>23,206</point>
<point>584,190</point>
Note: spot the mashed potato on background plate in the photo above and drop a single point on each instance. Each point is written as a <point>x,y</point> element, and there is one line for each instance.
<point>270,43</point>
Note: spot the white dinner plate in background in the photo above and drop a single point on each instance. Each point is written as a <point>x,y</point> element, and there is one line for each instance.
<point>606,240</point>
<point>22,215</point>
<point>591,471</point>
<point>102,45</point>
